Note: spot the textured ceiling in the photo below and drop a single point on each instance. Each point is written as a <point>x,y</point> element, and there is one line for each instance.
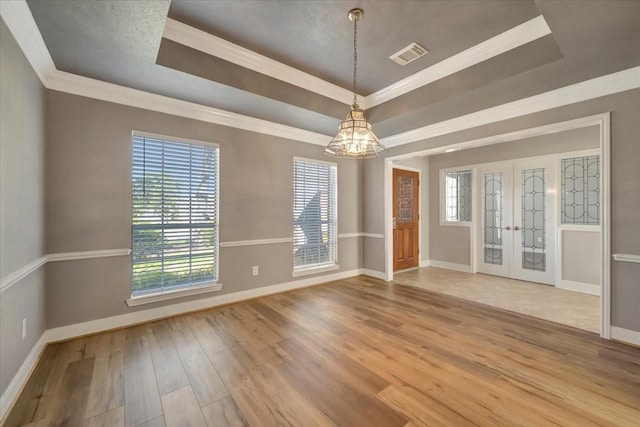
<point>121,42</point>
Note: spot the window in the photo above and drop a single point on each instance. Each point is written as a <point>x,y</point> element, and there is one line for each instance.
<point>457,196</point>
<point>315,227</point>
<point>174,214</point>
<point>580,177</point>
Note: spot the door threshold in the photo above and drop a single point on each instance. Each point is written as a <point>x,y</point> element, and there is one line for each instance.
<point>406,269</point>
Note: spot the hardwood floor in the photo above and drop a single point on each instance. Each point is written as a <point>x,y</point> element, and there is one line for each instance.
<point>355,352</point>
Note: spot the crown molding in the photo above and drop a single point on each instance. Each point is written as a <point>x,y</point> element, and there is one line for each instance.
<point>208,43</point>
<point>503,42</point>
<point>200,40</point>
<point>19,20</point>
<point>609,84</point>
<point>83,86</point>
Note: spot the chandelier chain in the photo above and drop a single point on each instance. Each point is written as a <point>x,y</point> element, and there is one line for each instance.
<point>355,61</point>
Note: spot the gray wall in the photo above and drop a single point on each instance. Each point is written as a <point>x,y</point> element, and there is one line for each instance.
<point>22,141</point>
<point>625,194</point>
<point>88,201</point>
<point>453,243</point>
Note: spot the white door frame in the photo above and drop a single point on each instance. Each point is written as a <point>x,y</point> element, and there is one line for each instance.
<point>603,121</point>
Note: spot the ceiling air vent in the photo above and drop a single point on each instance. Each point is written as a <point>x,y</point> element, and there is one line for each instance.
<point>408,54</point>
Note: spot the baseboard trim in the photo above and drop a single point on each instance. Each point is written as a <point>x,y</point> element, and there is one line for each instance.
<point>373,273</point>
<point>449,265</point>
<point>585,288</point>
<point>424,263</point>
<point>626,336</point>
<point>128,319</point>
<point>21,377</point>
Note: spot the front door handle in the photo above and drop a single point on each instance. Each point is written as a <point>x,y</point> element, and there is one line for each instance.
<point>508,227</point>
<point>394,223</point>
<point>516,228</point>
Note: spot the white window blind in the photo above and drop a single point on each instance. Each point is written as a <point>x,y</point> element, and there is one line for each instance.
<point>457,196</point>
<point>174,214</point>
<point>315,227</point>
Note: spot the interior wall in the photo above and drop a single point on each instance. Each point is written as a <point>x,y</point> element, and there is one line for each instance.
<point>625,188</point>
<point>89,204</point>
<point>452,243</point>
<point>422,164</point>
<point>22,141</point>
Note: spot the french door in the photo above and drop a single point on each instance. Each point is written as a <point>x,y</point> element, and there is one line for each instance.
<point>517,227</point>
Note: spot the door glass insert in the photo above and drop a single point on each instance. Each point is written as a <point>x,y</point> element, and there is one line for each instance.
<point>493,215</point>
<point>405,199</point>
<point>533,226</point>
<point>581,190</point>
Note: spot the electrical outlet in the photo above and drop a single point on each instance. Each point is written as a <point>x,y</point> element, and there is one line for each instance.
<point>255,270</point>
<point>24,328</point>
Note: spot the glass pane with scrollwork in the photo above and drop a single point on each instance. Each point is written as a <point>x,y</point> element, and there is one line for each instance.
<point>580,178</point>
<point>405,199</point>
<point>533,228</point>
<point>493,215</point>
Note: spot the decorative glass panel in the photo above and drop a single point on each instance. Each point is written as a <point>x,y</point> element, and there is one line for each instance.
<point>581,190</point>
<point>405,199</point>
<point>533,219</point>
<point>458,196</point>
<point>493,218</point>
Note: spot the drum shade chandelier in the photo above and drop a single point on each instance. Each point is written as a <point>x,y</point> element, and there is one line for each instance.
<point>355,139</point>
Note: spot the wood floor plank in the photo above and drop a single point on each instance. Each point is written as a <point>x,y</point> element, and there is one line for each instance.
<point>112,418</point>
<point>107,384</point>
<point>224,413</point>
<point>351,352</point>
<point>170,373</point>
<point>181,409</point>
<point>75,385</point>
<point>202,375</point>
<point>142,399</point>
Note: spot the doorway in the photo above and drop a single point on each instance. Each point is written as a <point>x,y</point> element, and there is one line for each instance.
<point>517,227</point>
<point>406,219</point>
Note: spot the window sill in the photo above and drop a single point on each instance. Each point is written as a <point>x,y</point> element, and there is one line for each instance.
<point>456,223</point>
<point>172,294</point>
<point>314,270</point>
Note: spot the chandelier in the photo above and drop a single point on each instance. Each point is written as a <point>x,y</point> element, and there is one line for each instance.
<point>355,139</point>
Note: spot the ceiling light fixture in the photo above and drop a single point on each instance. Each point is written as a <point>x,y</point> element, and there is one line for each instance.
<point>355,139</point>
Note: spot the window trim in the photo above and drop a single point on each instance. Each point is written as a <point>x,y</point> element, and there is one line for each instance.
<point>443,195</point>
<point>323,267</point>
<point>193,288</point>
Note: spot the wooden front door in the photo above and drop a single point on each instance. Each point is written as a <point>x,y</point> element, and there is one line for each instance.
<point>405,219</point>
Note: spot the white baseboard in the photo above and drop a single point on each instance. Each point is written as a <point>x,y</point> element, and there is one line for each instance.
<point>373,273</point>
<point>21,377</point>
<point>586,288</point>
<point>449,265</point>
<point>123,320</point>
<point>625,335</point>
<point>424,263</point>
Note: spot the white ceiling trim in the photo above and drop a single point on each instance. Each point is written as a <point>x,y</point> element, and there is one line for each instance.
<point>503,42</point>
<point>215,46</point>
<point>589,89</point>
<point>18,18</point>
<point>84,86</point>
<point>223,49</point>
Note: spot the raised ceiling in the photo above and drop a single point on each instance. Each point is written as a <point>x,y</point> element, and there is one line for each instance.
<point>126,43</point>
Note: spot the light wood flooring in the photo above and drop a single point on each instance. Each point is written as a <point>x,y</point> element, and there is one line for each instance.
<point>355,352</point>
<point>570,308</point>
